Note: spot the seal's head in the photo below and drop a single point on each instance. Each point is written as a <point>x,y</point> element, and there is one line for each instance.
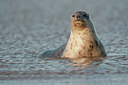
<point>79,20</point>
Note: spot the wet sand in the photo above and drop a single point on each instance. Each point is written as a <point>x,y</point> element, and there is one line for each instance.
<point>28,27</point>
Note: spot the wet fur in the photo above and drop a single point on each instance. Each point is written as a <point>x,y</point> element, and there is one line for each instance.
<point>83,42</point>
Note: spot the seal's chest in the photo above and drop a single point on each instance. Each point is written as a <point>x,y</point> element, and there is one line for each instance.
<point>79,45</point>
<point>84,47</point>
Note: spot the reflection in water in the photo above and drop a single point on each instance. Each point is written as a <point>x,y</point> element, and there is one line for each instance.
<point>34,68</point>
<point>81,63</point>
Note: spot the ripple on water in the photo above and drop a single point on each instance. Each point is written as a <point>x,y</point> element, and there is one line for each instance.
<point>28,27</point>
<point>38,68</point>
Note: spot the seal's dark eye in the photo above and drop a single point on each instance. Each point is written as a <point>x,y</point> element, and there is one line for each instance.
<point>85,15</point>
<point>73,15</point>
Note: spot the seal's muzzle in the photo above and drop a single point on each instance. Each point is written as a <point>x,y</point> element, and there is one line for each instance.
<point>80,19</point>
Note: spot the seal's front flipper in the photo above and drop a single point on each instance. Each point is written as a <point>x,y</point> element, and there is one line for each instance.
<point>45,54</point>
<point>57,53</point>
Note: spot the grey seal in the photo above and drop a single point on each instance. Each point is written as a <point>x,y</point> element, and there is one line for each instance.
<point>83,40</point>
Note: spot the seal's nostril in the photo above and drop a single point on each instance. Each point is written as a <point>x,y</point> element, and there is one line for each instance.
<point>78,16</point>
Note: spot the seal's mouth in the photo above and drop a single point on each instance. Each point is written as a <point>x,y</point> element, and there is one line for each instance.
<point>79,23</point>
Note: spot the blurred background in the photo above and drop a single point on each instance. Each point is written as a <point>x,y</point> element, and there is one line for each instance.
<point>28,27</point>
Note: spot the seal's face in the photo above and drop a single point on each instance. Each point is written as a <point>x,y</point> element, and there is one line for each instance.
<point>79,20</point>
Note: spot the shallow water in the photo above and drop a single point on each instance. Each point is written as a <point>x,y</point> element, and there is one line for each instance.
<point>29,27</point>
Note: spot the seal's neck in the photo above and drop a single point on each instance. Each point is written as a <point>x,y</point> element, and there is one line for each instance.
<point>79,43</point>
<point>86,32</point>
<point>81,37</point>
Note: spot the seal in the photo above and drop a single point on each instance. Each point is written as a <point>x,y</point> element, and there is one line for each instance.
<point>83,40</point>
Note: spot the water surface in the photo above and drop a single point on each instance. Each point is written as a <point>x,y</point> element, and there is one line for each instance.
<point>28,27</point>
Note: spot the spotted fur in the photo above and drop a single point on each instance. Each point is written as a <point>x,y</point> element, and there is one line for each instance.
<point>83,40</point>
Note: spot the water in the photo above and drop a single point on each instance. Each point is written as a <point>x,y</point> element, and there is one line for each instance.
<point>29,27</point>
